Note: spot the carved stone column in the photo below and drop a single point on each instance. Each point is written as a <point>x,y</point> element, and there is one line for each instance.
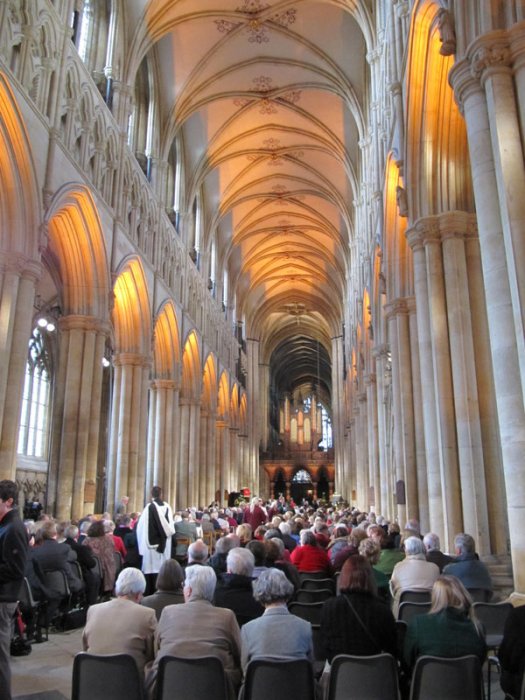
<point>18,277</point>
<point>455,228</point>
<point>373,448</point>
<point>127,452</point>
<point>76,416</point>
<point>381,354</point>
<point>432,449</point>
<point>499,279</point>
<point>163,434</point>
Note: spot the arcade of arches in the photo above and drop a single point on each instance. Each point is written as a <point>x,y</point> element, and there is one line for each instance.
<point>266,244</point>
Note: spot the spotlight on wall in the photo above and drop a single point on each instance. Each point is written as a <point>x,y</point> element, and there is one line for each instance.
<point>105,362</point>
<point>46,324</point>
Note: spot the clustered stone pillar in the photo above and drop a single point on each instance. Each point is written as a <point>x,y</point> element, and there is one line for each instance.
<point>127,451</point>
<point>163,451</point>
<point>76,421</point>
<point>483,84</point>
<point>18,277</point>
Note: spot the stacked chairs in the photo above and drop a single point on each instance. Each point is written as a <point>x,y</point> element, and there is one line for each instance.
<point>435,678</point>
<point>191,679</point>
<point>112,677</point>
<point>282,679</point>
<point>363,678</point>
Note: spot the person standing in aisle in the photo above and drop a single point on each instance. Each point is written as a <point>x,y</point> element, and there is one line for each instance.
<point>13,554</point>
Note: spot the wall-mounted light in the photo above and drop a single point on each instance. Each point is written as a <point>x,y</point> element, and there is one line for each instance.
<point>46,324</point>
<point>105,362</point>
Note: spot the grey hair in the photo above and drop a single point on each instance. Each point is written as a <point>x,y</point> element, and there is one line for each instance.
<point>413,546</point>
<point>225,544</point>
<point>71,531</point>
<point>202,581</point>
<point>307,537</point>
<point>272,586</point>
<point>431,541</point>
<point>280,545</point>
<point>240,561</point>
<point>109,526</point>
<point>285,528</point>
<point>198,551</point>
<point>130,581</point>
<point>84,527</point>
<point>464,543</point>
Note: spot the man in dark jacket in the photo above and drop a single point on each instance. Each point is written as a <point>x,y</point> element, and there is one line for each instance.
<point>13,554</point>
<point>234,588</point>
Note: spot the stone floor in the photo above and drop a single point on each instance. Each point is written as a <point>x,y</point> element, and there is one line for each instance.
<point>47,668</point>
<point>46,673</point>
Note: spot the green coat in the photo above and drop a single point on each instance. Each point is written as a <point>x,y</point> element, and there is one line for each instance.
<point>448,633</point>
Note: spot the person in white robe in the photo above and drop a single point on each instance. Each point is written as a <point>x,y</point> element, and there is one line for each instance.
<point>155,529</point>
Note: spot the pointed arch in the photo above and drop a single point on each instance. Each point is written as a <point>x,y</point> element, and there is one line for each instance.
<point>223,399</point>
<point>191,368</point>
<point>131,313</point>
<point>397,264</point>
<point>20,203</point>
<point>243,415</point>
<point>167,348</point>
<point>76,253</point>
<point>438,143</point>
<point>209,383</point>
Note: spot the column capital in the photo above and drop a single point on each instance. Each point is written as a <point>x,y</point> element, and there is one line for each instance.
<point>381,351</point>
<point>13,261</point>
<point>73,322</point>
<point>369,379</point>
<point>489,55</point>
<point>131,358</point>
<point>169,384</point>
<point>396,307</point>
<point>433,229</point>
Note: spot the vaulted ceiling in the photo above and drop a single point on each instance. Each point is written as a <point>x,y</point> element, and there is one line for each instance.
<point>269,98</point>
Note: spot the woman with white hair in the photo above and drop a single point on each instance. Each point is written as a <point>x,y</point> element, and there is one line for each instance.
<point>121,626</point>
<point>197,628</point>
<point>413,573</point>
<point>278,632</point>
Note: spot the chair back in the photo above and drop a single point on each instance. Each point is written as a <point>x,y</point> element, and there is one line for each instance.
<point>191,679</point>
<point>318,596</point>
<point>307,611</point>
<point>435,678</point>
<point>314,584</point>
<point>97,569</point>
<point>480,595</point>
<point>492,616</point>
<point>311,575</point>
<point>415,596</point>
<point>409,610</point>
<point>112,677</point>
<point>25,596</point>
<point>117,556</point>
<point>281,678</point>
<point>56,581</point>
<point>363,678</point>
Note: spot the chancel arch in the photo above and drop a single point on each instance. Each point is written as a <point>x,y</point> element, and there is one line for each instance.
<point>75,257</point>
<point>164,416</point>
<point>190,402</point>
<point>131,369</point>
<point>20,219</point>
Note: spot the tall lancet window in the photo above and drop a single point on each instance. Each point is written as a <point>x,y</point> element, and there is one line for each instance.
<point>33,432</point>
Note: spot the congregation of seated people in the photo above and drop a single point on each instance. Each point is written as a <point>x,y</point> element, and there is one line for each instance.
<point>228,578</point>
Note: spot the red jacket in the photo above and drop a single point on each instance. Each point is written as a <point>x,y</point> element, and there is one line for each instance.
<point>306,557</point>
